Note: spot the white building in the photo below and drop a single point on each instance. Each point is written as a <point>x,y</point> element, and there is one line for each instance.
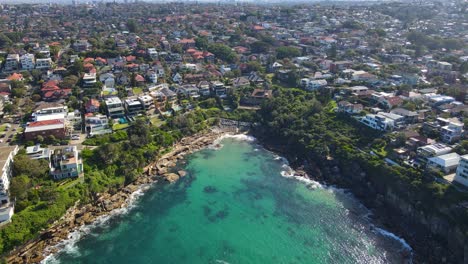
<point>433,150</point>
<point>7,155</point>
<point>134,106</point>
<point>152,53</point>
<point>451,132</point>
<point>89,79</point>
<point>147,101</point>
<point>115,107</point>
<point>50,113</point>
<point>310,84</point>
<point>462,171</point>
<point>12,62</point>
<point>445,163</point>
<point>382,121</point>
<point>44,64</point>
<point>28,62</point>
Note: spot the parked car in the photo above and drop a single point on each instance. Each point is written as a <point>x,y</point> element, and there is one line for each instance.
<point>75,137</point>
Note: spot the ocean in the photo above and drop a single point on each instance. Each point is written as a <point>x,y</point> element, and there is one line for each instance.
<point>238,203</point>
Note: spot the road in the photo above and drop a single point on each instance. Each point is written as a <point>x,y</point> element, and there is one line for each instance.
<point>9,134</point>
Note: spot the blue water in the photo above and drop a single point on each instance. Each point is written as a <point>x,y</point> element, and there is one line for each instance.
<point>234,206</point>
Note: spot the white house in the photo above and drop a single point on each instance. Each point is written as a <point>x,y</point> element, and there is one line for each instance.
<point>89,79</point>
<point>445,163</point>
<point>310,84</point>
<point>7,155</point>
<point>382,121</point>
<point>152,53</point>
<point>462,171</point>
<point>27,62</point>
<point>44,64</point>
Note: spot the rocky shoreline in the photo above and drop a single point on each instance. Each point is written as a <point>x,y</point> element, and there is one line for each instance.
<point>77,216</point>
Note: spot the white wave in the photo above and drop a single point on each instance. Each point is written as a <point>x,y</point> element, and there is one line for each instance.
<point>403,242</point>
<point>241,137</point>
<point>69,245</point>
<point>288,172</point>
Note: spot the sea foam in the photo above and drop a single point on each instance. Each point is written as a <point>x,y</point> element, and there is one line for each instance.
<point>241,137</point>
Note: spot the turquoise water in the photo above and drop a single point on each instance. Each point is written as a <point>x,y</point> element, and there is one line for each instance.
<point>235,207</point>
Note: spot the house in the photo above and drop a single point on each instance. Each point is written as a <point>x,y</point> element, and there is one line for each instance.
<point>255,78</point>
<point>97,125</point>
<point>390,102</point>
<point>190,90</point>
<point>436,149</point>
<point>92,106</point>
<point>382,121</point>
<point>240,82</point>
<point>38,152</point>
<point>347,107</point>
<point>152,53</point>
<point>152,76</point>
<point>44,64</point>
<point>462,171</point>
<point>258,96</point>
<point>204,88</point>
<point>108,79</point>
<point>168,94</point>
<point>81,45</point>
<point>409,116</point>
<point>451,132</point>
<point>27,62</point>
<point>362,76</point>
<point>16,77</point>
<point>66,163</point>
<point>360,91</point>
<point>89,79</point>
<point>147,101</point>
<point>7,155</point>
<point>218,88</point>
<point>54,127</point>
<point>312,85</point>
<point>445,163</point>
<point>115,108</point>
<point>12,62</point>
<point>187,43</point>
<point>134,106</point>
<point>177,78</point>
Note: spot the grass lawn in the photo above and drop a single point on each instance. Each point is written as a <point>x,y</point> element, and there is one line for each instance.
<point>382,152</point>
<point>137,90</point>
<point>270,76</point>
<point>156,121</point>
<point>119,126</point>
<point>3,128</point>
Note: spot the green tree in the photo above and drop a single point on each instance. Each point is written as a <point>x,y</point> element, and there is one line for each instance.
<point>132,25</point>
<point>222,52</point>
<point>287,52</point>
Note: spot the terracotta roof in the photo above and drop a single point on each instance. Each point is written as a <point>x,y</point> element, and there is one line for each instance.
<point>186,41</point>
<point>46,123</point>
<point>15,77</point>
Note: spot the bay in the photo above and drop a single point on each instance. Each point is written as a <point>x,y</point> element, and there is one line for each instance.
<point>236,206</point>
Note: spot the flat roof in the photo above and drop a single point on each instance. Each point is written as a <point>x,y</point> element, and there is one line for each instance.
<point>5,153</point>
<point>447,160</point>
<point>113,100</point>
